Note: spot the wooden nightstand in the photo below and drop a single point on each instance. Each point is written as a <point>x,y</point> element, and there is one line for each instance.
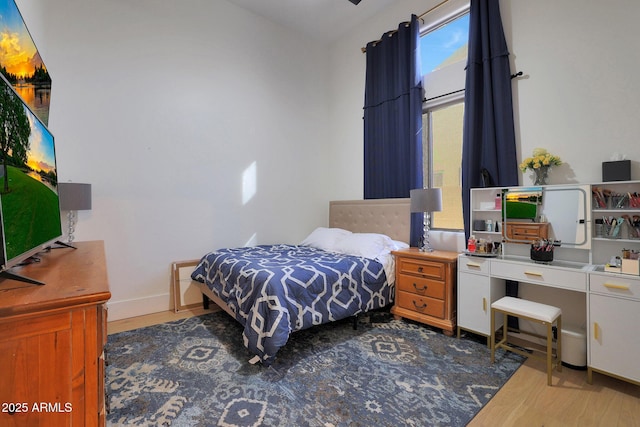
<point>426,287</point>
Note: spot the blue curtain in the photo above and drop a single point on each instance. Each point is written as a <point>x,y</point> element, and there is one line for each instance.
<point>393,118</point>
<point>488,137</point>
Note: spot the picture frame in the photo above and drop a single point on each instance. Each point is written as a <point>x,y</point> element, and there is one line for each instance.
<point>186,294</point>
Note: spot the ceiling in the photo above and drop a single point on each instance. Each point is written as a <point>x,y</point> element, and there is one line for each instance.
<point>323,20</point>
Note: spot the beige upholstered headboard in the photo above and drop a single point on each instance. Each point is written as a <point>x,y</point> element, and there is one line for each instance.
<point>387,216</point>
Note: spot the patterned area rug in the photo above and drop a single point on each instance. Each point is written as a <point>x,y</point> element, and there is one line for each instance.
<point>195,372</point>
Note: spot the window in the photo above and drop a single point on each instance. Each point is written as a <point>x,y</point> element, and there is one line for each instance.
<point>444,54</point>
<point>442,143</point>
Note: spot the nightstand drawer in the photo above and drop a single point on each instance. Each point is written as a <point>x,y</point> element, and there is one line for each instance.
<point>421,286</point>
<point>419,304</point>
<point>424,268</point>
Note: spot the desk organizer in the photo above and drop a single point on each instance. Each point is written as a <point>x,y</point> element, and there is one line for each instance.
<point>541,255</point>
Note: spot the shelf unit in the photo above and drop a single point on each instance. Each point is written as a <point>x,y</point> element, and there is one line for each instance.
<point>606,247</point>
<point>568,228</point>
<point>483,208</point>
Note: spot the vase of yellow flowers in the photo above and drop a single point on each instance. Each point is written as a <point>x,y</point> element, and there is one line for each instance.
<point>540,163</point>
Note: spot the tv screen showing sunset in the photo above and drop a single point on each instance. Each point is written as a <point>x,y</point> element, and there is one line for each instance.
<point>20,61</point>
<point>29,200</point>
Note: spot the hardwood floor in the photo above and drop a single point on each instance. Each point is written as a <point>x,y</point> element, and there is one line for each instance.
<point>525,400</point>
<point>153,319</point>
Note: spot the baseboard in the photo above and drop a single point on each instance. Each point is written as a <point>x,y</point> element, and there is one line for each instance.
<point>138,307</point>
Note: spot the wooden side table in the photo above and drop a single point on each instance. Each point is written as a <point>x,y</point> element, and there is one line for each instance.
<point>426,287</point>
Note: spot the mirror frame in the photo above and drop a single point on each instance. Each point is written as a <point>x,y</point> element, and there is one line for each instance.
<point>583,220</point>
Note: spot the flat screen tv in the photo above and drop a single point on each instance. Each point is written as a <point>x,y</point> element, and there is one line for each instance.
<point>21,63</point>
<point>29,202</point>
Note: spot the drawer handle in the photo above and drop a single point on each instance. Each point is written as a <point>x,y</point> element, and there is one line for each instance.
<point>533,273</point>
<point>484,304</point>
<point>473,264</point>
<point>424,305</point>
<point>614,286</point>
<point>419,269</point>
<point>596,334</point>
<point>424,288</point>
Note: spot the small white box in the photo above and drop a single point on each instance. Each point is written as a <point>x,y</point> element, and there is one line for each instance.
<point>631,266</point>
<point>486,206</point>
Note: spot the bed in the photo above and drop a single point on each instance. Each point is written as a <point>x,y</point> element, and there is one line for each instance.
<point>336,272</point>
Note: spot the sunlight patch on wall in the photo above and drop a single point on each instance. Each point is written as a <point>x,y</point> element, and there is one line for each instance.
<point>253,240</point>
<point>249,183</point>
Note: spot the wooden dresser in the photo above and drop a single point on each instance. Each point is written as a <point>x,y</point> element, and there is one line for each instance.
<point>426,287</point>
<point>52,339</point>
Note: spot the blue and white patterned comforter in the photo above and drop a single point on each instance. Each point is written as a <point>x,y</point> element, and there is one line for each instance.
<point>274,290</point>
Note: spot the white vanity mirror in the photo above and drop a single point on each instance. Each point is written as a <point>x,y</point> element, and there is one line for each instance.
<point>550,212</point>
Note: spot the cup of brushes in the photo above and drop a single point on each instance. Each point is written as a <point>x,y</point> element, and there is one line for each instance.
<point>542,250</point>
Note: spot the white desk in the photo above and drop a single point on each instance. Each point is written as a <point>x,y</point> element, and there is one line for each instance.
<point>612,301</point>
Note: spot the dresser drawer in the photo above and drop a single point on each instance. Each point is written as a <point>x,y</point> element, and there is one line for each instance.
<point>421,286</point>
<point>540,274</point>
<point>615,285</point>
<point>419,304</point>
<point>472,264</point>
<point>424,268</point>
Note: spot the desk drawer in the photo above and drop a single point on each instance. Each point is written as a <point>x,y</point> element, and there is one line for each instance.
<point>472,264</point>
<point>615,285</point>
<point>419,304</point>
<point>421,286</point>
<point>540,274</point>
<point>424,268</point>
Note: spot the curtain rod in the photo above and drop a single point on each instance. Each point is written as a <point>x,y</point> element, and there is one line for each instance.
<point>364,49</point>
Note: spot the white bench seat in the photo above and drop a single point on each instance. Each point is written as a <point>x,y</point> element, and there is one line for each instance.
<point>533,311</point>
<point>519,307</point>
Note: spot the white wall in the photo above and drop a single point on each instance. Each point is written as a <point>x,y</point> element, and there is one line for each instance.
<point>164,107</point>
<point>579,95</point>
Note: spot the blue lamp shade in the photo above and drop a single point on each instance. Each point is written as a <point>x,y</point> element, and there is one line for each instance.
<point>74,196</point>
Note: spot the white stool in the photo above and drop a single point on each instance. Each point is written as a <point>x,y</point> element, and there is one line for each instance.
<point>536,312</point>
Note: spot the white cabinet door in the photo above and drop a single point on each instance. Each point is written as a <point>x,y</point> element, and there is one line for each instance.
<point>613,335</point>
<point>475,295</point>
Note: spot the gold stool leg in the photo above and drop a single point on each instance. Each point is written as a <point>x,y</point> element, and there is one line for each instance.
<point>559,344</point>
<point>549,351</point>
<point>493,335</point>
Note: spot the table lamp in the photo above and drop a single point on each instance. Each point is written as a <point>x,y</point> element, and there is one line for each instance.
<point>74,197</point>
<point>426,200</point>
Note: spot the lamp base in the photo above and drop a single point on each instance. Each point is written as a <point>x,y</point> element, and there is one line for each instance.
<point>426,246</point>
<point>72,217</point>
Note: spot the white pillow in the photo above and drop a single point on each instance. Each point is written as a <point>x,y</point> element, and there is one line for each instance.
<point>400,245</point>
<point>325,238</point>
<point>368,245</point>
